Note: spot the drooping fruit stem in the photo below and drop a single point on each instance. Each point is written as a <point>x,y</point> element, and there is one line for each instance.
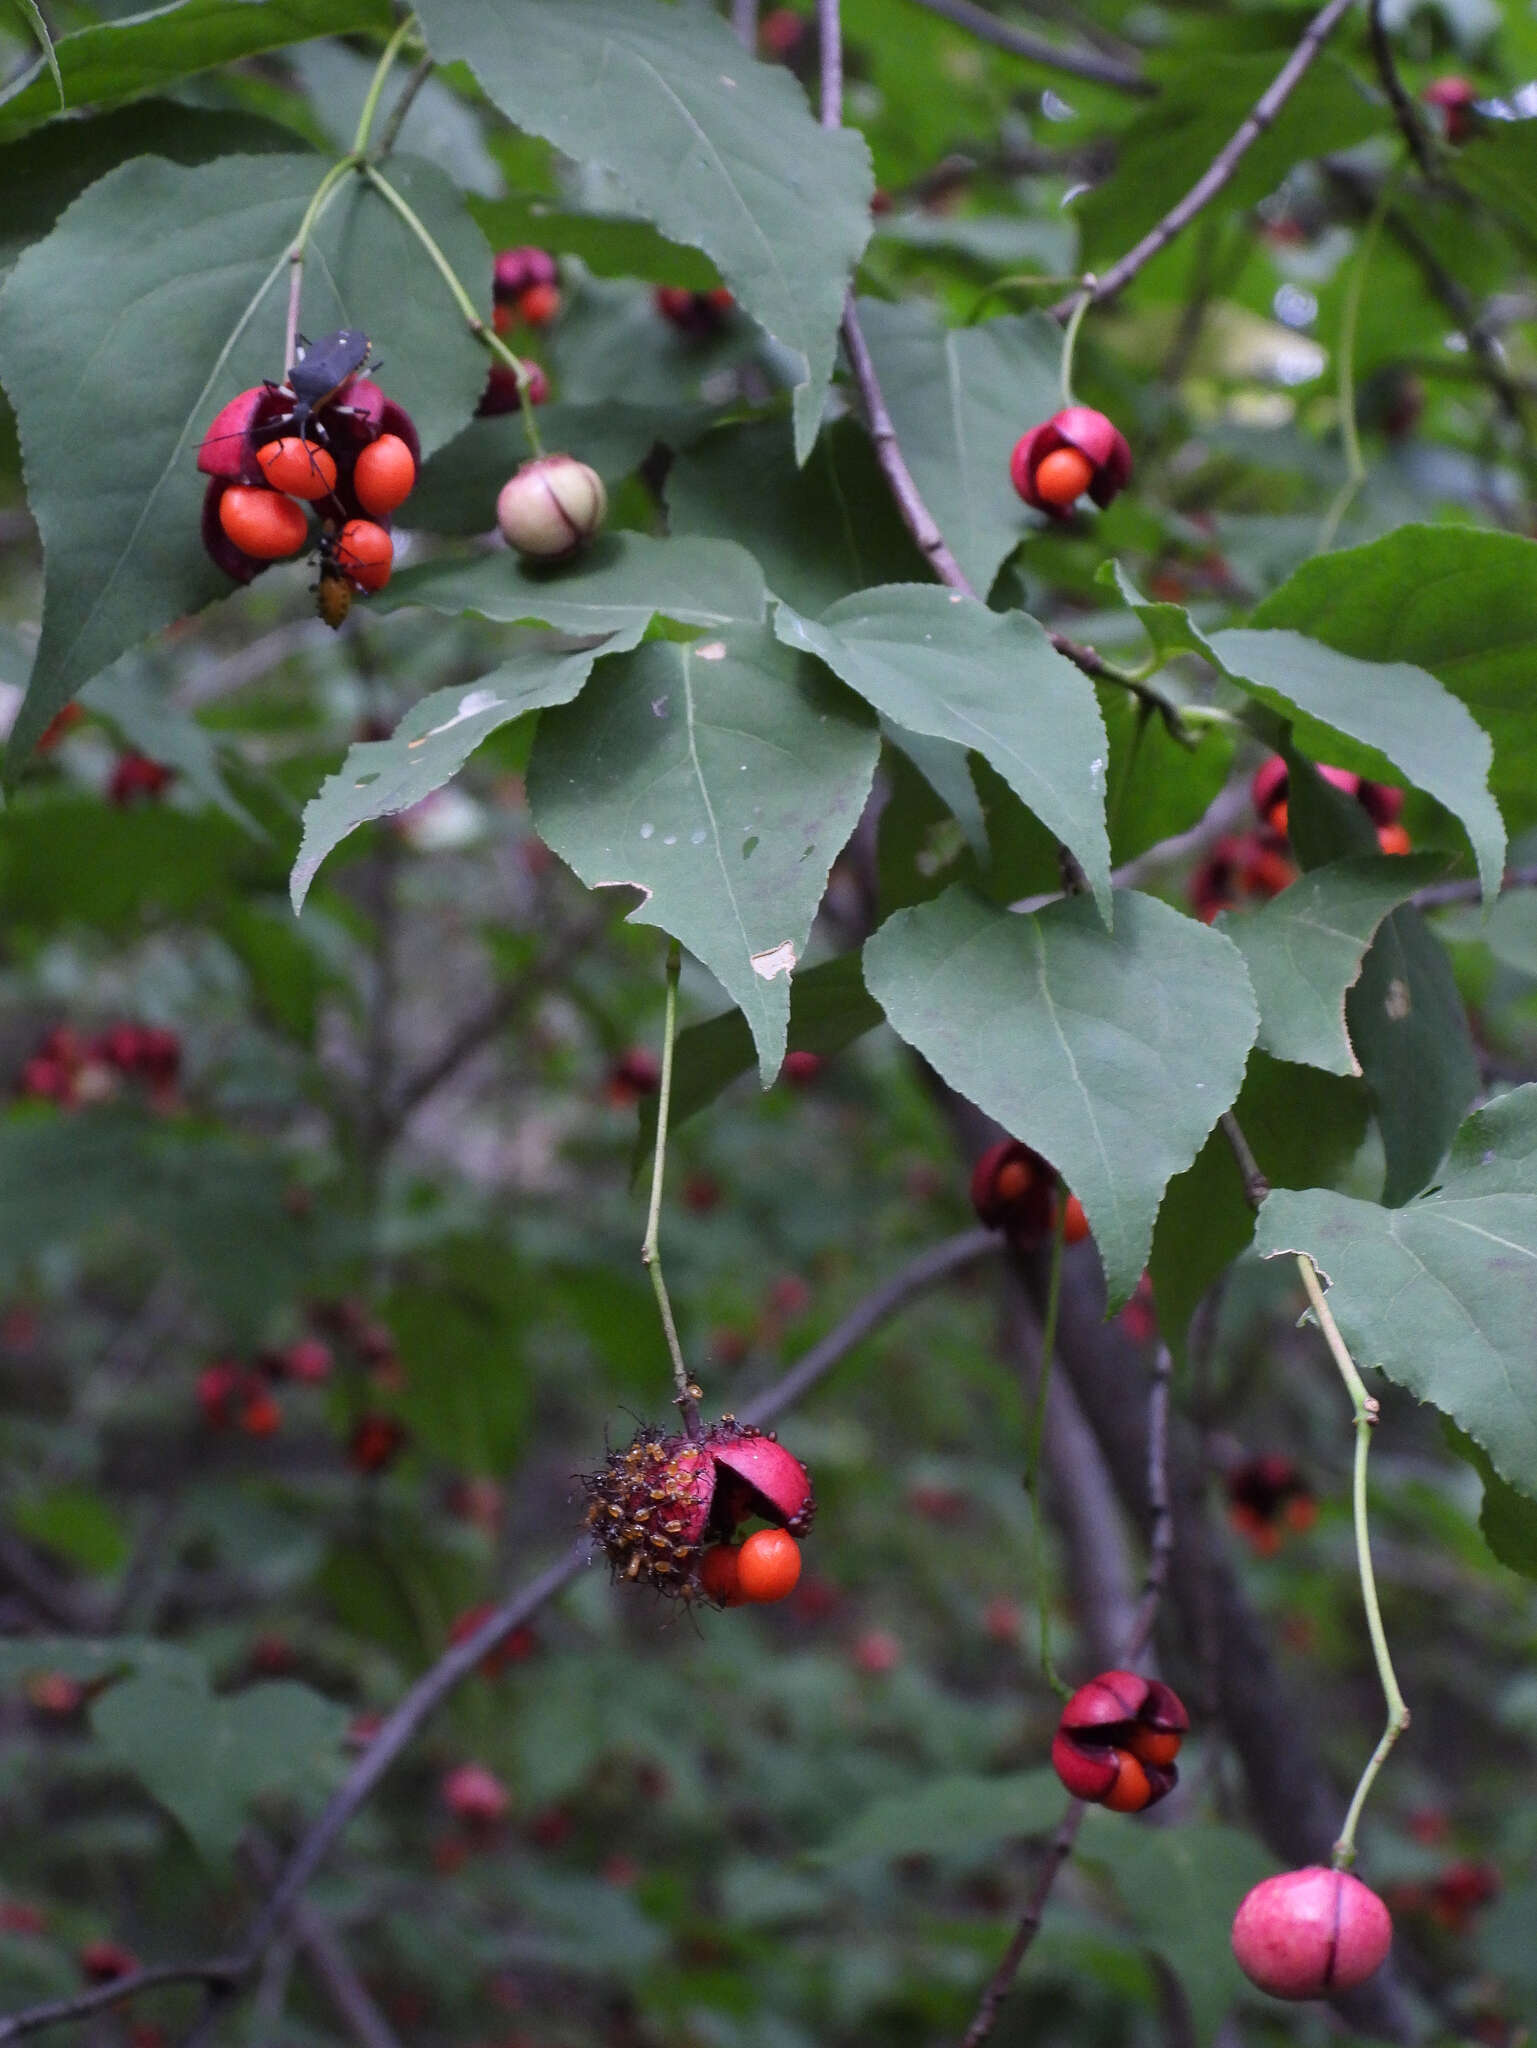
<point>1366,1412</point>
<point>687,1396</point>
<point>1070,338</point>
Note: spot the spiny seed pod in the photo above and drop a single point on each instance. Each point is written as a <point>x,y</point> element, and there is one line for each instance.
<point>654,1504</point>
<point>551,506</point>
<point>1310,1933</point>
<point>1014,1189</point>
<point>1117,1740</point>
<point>1076,450</point>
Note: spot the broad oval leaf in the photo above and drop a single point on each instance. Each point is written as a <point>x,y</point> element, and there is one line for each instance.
<point>113,61</point>
<point>722,778</point>
<point>195,313</point>
<point>959,398</point>
<point>1456,600</point>
<point>206,1757</point>
<point>616,586</point>
<point>1305,947</point>
<point>1409,1027</point>
<point>945,666</point>
<point>962,1815</point>
<point>1113,1053</point>
<point>431,744</point>
<point>720,151</point>
<point>1442,1293</point>
<point>1399,713</point>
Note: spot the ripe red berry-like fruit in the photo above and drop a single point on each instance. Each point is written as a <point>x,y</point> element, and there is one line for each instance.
<point>475,1795</point>
<point>656,1504</point>
<point>1102,466</point>
<point>375,1443</point>
<point>384,475</point>
<point>551,506</point>
<point>1075,1224</point>
<point>262,523</point>
<point>1062,477</point>
<point>1454,98</point>
<point>517,269</point>
<point>1014,1189</point>
<point>103,1962</point>
<point>539,304</point>
<point>302,468</point>
<point>768,1566</point>
<point>364,553</point>
<point>696,314</point>
<point>1394,839</point>
<point>719,1578</point>
<point>1310,1933</point>
<point>1117,1740</point>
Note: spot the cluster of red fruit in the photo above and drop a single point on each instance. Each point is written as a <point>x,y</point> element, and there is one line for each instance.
<point>666,1511</point>
<point>525,293</point>
<point>1267,1497</point>
<point>1076,450</point>
<point>73,1071</point>
<point>1305,1934</point>
<point>353,460</point>
<point>1016,1191</point>
<point>1247,866</point>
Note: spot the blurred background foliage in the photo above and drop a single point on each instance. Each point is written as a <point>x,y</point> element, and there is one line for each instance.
<point>378,1208</point>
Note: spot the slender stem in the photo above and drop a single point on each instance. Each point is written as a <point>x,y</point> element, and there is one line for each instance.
<point>376,84</point>
<point>1365,1409</point>
<point>1160,1544</point>
<point>830,50</point>
<point>1255,1186</point>
<point>390,134</point>
<point>1136,681</point>
<point>1405,113</point>
<point>1355,466</point>
<point>687,1396</point>
<point>323,194</point>
<point>1002,1979</point>
<point>744,19</point>
<point>1033,1442</point>
<point>1070,338</point>
<point>486,336</point>
<point>1219,173</point>
<point>1002,35</point>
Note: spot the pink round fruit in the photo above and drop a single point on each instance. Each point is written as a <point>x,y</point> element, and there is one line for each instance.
<point>1310,1933</point>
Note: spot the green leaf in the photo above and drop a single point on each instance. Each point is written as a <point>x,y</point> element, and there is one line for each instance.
<point>218,1205</point>
<point>616,586</point>
<point>959,398</point>
<point>432,743</point>
<point>721,778</point>
<point>115,61</point>
<point>1457,601</point>
<point>608,243</point>
<point>205,1759</point>
<point>1113,1053</point>
<point>1400,716</point>
<point>92,1661</point>
<point>1304,950</point>
<point>1304,1126</point>
<point>1180,1887</point>
<point>1409,1028</point>
<point>719,151</point>
<point>1507,1519</point>
<point>1163,152</point>
<point>829,1009</point>
<point>76,1523</point>
<point>195,313</point>
<point>1441,1294</point>
<point>43,172</point>
<point>456,491</point>
<point>1500,165</point>
<point>817,531</point>
<point>960,1815</point>
<point>945,666</point>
